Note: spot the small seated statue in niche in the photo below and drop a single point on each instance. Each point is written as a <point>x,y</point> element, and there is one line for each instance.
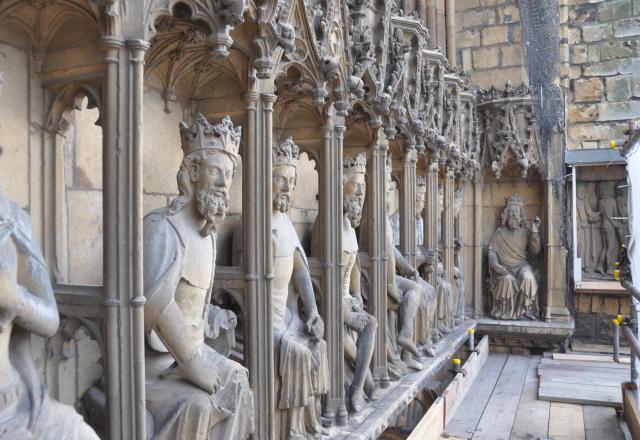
<point>512,279</point>
<point>27,306</point>
<point>192,390</point>
<point>360,326</point>
<point>301,353</point>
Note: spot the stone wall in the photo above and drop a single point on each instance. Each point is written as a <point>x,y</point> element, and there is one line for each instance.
<point>603,58</point>
<point>594,313</point>
<point>489,41</point>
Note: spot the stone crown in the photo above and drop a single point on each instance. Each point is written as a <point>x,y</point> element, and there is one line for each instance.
<point>286,153</point>
<point>202,135</point>
<point>515,200</point>
<point>355,164</point>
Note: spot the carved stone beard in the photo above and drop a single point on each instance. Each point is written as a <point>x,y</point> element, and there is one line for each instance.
<point>352,208</point>
<point>212,205</point>
<point>282,202</point>
<point>513,223</point>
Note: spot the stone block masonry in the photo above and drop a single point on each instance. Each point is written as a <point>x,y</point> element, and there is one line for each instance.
<point>603,74</point>
<point>489,41</point>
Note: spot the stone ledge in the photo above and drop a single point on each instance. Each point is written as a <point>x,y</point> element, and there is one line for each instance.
<point>373,420</point>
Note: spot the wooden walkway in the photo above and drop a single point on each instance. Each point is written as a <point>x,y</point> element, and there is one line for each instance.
<point>503,404</point>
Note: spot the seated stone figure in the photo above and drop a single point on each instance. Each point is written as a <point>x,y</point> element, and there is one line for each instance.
<point>512,279</point>
<point>301,353</point>
<point>404,297</point>
<point>27,306</point>
<point>192,391</point>
<point>360,326</point>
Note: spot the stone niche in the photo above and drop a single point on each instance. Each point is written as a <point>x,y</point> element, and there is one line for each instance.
<point>601,224</point>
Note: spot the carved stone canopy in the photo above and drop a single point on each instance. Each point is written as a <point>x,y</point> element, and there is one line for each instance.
<point>508,129</point>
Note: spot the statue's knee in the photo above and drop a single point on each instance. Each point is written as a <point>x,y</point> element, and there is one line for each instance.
<point>199,406</point>
<point>373,322</point>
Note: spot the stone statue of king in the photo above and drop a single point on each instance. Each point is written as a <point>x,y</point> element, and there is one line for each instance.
<point>301,353</point>
<point>192,390</point>
<point>512,279</point>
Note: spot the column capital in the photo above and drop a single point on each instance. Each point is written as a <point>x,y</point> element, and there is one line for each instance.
<point>268,98</point>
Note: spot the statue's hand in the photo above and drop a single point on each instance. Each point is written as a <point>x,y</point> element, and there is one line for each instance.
<point>9,299</point>
<point>535,224</point>
<point>315,327</point>
<point>356,321</point>
<point>500,269</point>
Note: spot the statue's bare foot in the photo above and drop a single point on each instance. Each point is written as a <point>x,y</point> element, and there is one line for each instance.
<point>429,351</point>
<point>408,345</point>
<point>356,399</point>
<point>444,329</point>
<point>374,394</point>
<point>412,363</point>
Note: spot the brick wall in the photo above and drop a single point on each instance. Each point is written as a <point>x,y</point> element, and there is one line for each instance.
<point>488,39</point>
<point>602,67</point>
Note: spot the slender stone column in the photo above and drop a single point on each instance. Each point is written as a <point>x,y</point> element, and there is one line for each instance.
<point>408,205</point>
<point>431,213</point>
<point>432,24</point>
<point>448,228</point>
<point>376,205</point>
<point>258,256</point>
<point>450,14</point>
<point>123,237</point>
<point>478,276</point>
<point>330,205</point>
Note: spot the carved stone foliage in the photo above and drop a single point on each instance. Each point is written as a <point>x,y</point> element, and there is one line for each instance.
<point>509,132</point>
<point>216,17</point>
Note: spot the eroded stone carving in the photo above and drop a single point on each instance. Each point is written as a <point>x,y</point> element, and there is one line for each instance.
<point>405,295</point>
<point>27,306</point>
<point>459,283</point>
<point>192,390</point>
<point>589,243</point>
<point>301,353</point>
<point>608,207</point>
<point>360,326</point>
<point>512,278</point>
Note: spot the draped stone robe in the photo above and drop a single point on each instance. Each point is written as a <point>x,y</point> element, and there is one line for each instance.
<point>301,364</point>
<point>180,408</point>
<point>516,292</point>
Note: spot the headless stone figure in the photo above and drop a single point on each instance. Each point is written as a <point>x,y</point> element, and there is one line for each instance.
<point>27,306</point>
<point>301,353</point>
<point>192,390</point>
<point>360,326</point>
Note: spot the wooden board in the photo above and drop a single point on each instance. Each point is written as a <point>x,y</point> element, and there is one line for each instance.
<point>499,414</point>
<point>601,423</point>
<point>464,422</point>
<point>532,417</point>
<point>583,366</point>
<point>456,391</point>
<point>431,425</point>
<point>579,394</point>
<point>631,413</point>
<point>584,357</point>
<point>566,421</point>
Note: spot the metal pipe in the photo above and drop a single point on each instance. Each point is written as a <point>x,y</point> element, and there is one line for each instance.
<point>635,347</point>
<point>616,341</point>
<point>577,270</point>
<point>472,339</point>
<point>631,288</point>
